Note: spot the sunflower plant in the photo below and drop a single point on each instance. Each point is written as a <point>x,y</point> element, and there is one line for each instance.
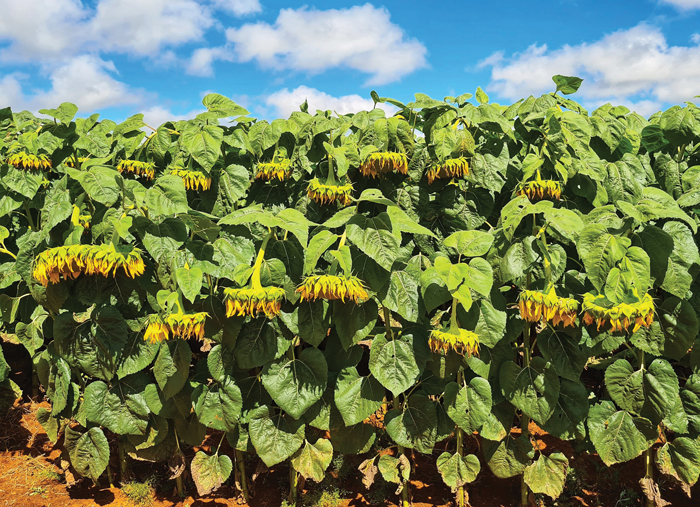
<point>363,283</point>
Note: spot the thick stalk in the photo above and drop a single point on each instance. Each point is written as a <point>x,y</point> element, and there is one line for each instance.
<point>29,215</point>
<point>255,279</point>
<point>180,486</point>
<point>293,484</point>
<point>525,420</point>
<point>123,463</point>
<point>461,491</point>
<point>405,501</point>
<point>35,383</point>
<point>648,461</point>
<point>240,463</point>
<point>110,476</point>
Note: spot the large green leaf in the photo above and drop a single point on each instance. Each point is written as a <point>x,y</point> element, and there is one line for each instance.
<point>456,470</point>
<point>547,475</point>
<point>393,363</point>
<point>274,436</point>
<point>295,384</point>
<point>203,143</point>
<point>218,406</point>
<point>534,389</point>
<point>102,184</point>
<point>88,452</point>
<point>121,407</point>
<point>468,406</point>
<point>167,196</point>
<point>354,322</point>
<point>414,427</point>
<point>210,472</point>
<point>681,459</point>
<point>312,460</point>
<point>617,435</point>
<point>375,238</point>
<point>172,366</point>
<point>357,397</point>
<point>600,251</point>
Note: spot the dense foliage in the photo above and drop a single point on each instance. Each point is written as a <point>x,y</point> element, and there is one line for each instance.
<point>458,267</point>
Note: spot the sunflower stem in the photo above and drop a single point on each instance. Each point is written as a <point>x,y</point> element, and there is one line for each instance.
<point>461,492</point>
<point>123,463</point>
<point>240,463</point>
<point>405,496</point>
<point>110,477</point>
<point>29,216</point>
<point>255,280</point>
<point>387,322</point>
<point>524,419</point>
<point>293,485</point>
<point>454,325</point>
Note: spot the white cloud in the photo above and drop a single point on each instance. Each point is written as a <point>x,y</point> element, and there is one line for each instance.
<point>629,64</point>
<point>85,80</point>
<point>201,63</point>
<point>155,116</point>
<point>285,102</point>
<point>683,4</point>
<point>362,38</point>
<point>238,7</point>
<point>45,30</point>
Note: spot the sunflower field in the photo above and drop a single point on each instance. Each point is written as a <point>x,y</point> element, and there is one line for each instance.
<point>365,283</point>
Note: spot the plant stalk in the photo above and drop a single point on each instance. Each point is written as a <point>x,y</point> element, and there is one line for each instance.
<point>240,463</point>
<point>461,491</point>
<point>255,279</point>
<point>524,419</point>
<point>294,485</point>
<point>405,495</point>
<point>110,477</point>
<point>123,463</point>
<point>648,461</point>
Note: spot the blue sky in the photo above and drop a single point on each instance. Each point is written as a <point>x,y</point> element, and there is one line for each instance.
<point>159,57</point>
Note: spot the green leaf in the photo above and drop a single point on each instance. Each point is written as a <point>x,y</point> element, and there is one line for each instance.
<point>680,459</point>
<point>416,426</point>
<point>393,363</point>
<point>470,243</point>
<point>296,384</point>
<point>481,96</point>
<point>564,351</point>
<point>222,106</point>
<point>210,472</point>
<point>120,408</point>
<point>274,437</point>
<point>63,113</point>
<point>600,252</point>
<point>357,397</point>
<point>618,436</point>
<point>402,222</point>
<point>456,470</point>
<point>312,460</point>
<point>295,222</point>
<point>203,143</point>
<point>679,125</point>
<point>218,406</point>
<point>508,457</point>
<point>402,295</point>
<point>469,406</point>
<point>258,343</point>
<point>374,237</point>
<point>319,243</point>
<point>533,389</point>
<point>163,238</point>
<point>167,196</point>
<point>172,366</point>
<point>625,386</point>
<point>354,323</point>
<point>88,452</point>
<point>547,475</point>
<point>312,322</point>
<point>568,421</point>
<point>189,281</point>
<point>102,184</point>
<point>672,333</point>
<point>567,85</point>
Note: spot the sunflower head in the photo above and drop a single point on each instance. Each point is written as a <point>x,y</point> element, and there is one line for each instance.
<point>328,194</point>
<point>450,168</point>
<point>187,325</point>
<point>27,161</point>
<point>535,306</point>
<point>193,179</point>
<point>538,190</point>
<point>278,169</point>
<point>146,170</point>
<point>379,163</point>
<point>635,309</point>
<point>70,261</point>
<point>333,287</point>
<point>251,301</point>
<point>70,161</point>
<point>157,330</point>
<point>463,342</point>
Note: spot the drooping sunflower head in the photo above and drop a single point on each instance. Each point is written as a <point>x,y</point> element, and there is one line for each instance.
<point>538,190</point>
<point>450,168</point>
<point>535,306</point>
<point>146,170</point>
<point>70,161</point>
<point>193,179</point>
<point>157,330</point>
<point>70,261</point>
<point>279,169</point>
<point>27,161</point>
<point>332,287</point>
<point>328,194</point>
<point>634,309</point>
<point>251,301</point>
<point>379,163</point>
<point>465,342</point>
<point>187,325</point>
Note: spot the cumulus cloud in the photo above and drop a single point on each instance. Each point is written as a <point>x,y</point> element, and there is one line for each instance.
<point>683,4</point>
<point>637,63</point>
<point>155,116</point>
<point>285,102</point>
<point>85,80</point>
<point>238,7</point>
<point>202,60</point>
<point>362,38</point>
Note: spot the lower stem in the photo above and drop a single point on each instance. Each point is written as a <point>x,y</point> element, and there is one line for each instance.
<point>524,419</point>
<point>461,492</point>
<point>35,383</point>
<point>240,463</point>
<point>294,484</point>
<point>180,486</point>
<point>405,495</point>
<point>110,476</point>
<point>123,464</point>
<point>649,466</point>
